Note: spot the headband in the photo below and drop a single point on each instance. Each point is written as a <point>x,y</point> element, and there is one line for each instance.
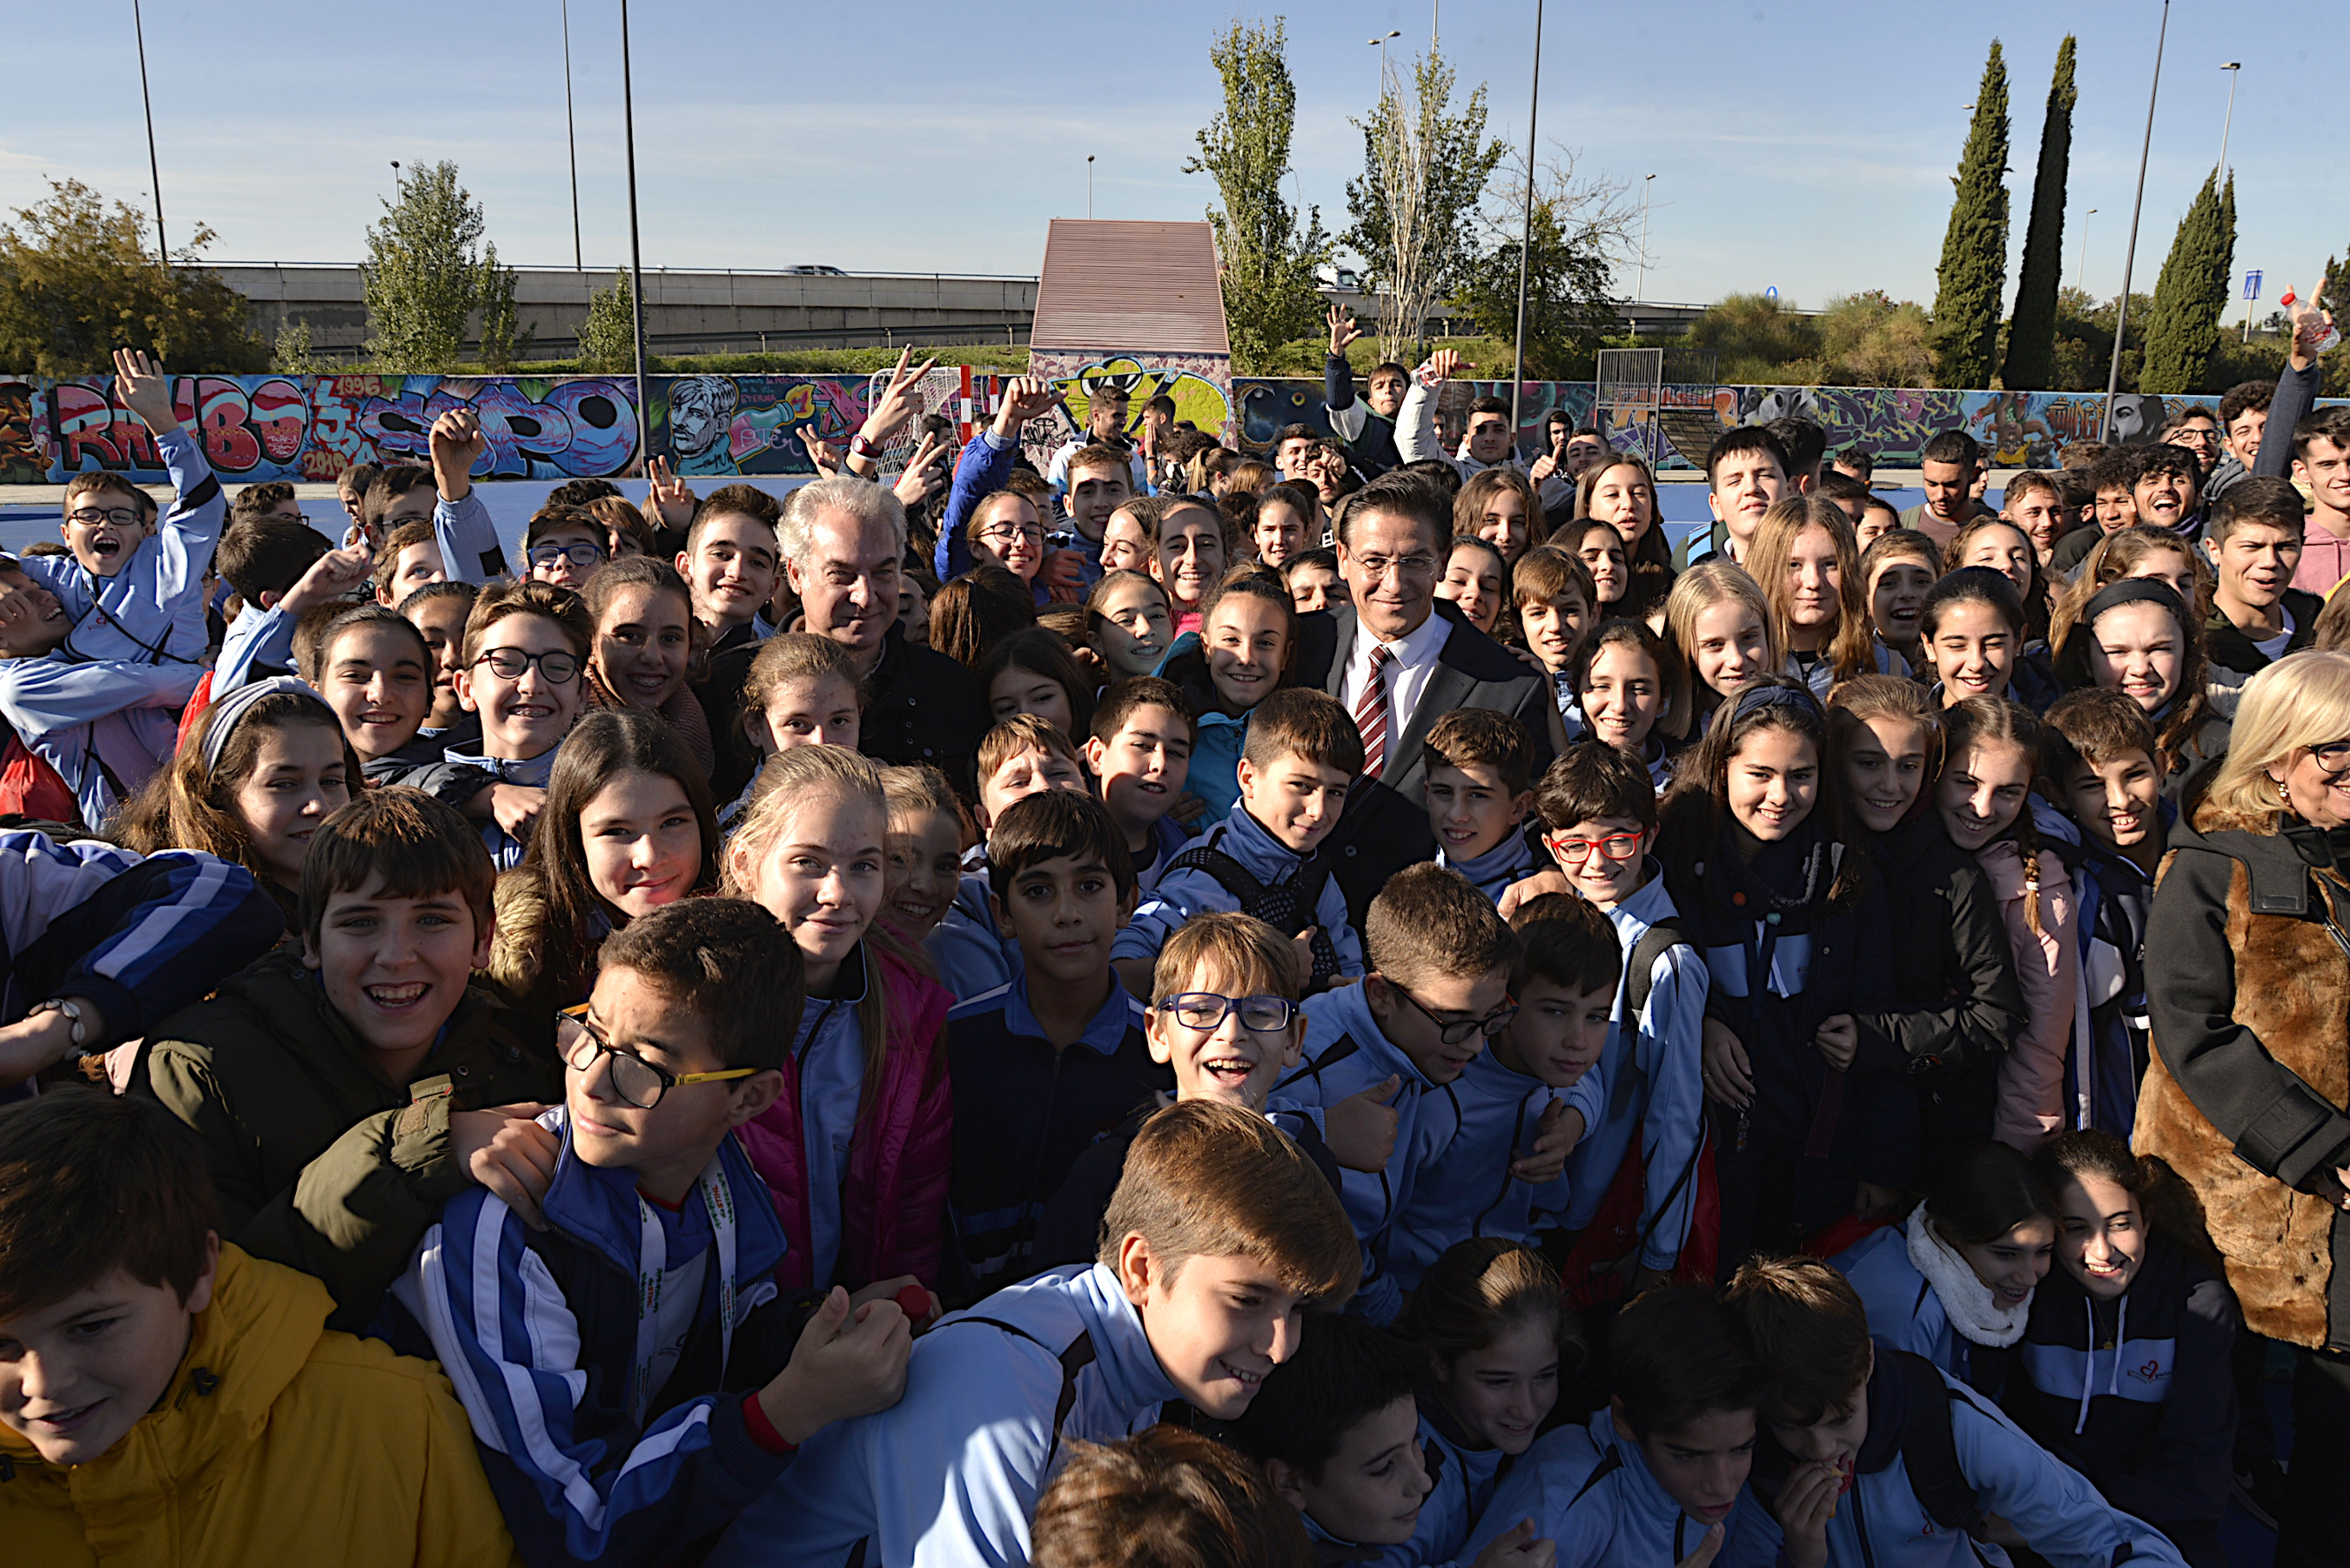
<point>2132,591</point>
<point>231,710</point>
<point>1761,697</point>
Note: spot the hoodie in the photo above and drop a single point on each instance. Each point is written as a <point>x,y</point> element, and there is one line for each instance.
<point>2136,1393</point>
<point>949,1476</point>
<point>1346,1054</point>
<point>276,1441</point>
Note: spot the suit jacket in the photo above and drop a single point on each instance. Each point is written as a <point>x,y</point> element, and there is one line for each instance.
<point>1384,828</point>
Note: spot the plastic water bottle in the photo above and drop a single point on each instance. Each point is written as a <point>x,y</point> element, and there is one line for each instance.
<point>2322,334</point>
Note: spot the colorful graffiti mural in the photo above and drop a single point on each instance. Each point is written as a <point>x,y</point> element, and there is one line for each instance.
<point>314,427</point>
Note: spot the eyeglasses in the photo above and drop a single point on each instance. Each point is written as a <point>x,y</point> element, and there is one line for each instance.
<point>1615,846</point>
<point>560,666</point>
<point>1034,533</point>
<point>1452,1031</point>
<point>635,1080</point>
<point>91,516</point>
<point>578,554</point>
<point>2332,759</point>
<point>1206,1011</point>
<point>1376,567</point>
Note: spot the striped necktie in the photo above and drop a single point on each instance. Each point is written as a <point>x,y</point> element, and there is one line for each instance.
<point>1371,711</point>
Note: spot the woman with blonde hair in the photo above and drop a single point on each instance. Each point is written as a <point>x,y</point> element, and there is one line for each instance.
<point>1717,622</point>
<point>2248,986</point>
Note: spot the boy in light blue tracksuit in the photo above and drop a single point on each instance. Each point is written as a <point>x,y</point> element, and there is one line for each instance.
<point>1653,1126</point>
<point>1189,885</point>
<point>1876,1458</point>
<point>1444,962</point>
<point>1480,790</point>
<point>1524,1102</point>
<point>950,1477</point>
<point>101,705</point>
<point>1662,1468</point>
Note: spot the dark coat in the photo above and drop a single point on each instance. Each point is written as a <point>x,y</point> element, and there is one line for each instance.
<point>1954,976</point>
<point>2248,986</point>
<point>1384,828</point>
<point>2232,650</point>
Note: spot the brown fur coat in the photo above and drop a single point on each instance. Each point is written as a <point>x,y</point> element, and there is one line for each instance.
<point>2223,941</point>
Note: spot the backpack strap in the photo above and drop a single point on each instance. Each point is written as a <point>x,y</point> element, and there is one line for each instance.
<point>1639,970</point>
<point>1929,1449</point>
<point>1229,874</point>
<point>1075,1359</point>
<point>1340,1049</point>
<point>1605,1468</point>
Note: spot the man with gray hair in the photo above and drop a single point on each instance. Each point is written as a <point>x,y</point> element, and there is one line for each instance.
<point>843,542</point>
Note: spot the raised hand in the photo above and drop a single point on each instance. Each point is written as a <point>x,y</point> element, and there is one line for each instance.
<point>920,478</point>
<point>1442,364</point>
<point>145,390</point>
<point>820,452</point>
<point>2311,323</point>
<point>1361,1128</point>
<point>668,494</point>
<point>1343,331</point>
<point>895,406</point>
<point>1024,397</point>
<point>457,444</point>
<point>330,576</point>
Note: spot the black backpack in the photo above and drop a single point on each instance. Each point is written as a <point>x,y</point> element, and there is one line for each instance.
<point>1930,1450</point>
<point>1287,907</point>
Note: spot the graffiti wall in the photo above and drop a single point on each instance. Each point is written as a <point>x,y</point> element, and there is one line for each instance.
<point>312,427</point>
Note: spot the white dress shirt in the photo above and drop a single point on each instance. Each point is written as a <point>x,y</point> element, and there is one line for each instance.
<point>1415,661</point>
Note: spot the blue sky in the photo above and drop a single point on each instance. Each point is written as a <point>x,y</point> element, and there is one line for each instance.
<point>1807,148</point>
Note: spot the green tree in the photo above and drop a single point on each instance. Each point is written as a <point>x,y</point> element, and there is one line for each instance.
<point>1425,172</point>
<point>2191,293</point>
<point>423,272</point>
<point>1870,340</point>
<point>608,338</point>
<point>2032,327</point>
<point>1755,339</point>
<point>504,339</point>
<point>78,280</point>
<point>1973,269</point>
<point>1568,310</point>
<point>1268,258</point>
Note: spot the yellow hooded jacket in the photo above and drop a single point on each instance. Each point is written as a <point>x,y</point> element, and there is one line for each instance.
<point>277,1441</point>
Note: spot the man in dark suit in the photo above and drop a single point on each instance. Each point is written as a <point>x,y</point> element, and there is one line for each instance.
<point>1399,661</point>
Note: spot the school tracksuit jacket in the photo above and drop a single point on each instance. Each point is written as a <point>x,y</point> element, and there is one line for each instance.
<point>2137,1393</point>
<point>1466,1188</point>
<point>1589,1492</point>
<point>103,708</point>
<point>979,471</point>
<point>1904,1310</point>
<point>539,1334</point>
<point>461,774</point>
<point>140,937</point>
<point>1881,1524</point>
<point>1460,1479</point>
<point>1184,893</point>
<point>1024,1112</point>
<point>1346,1053</point>
<point>469,551</point>
<point>1650,1074</point>
<point>949,1476</point>
<point>972,956</point>
<point>256,640</point>
<point>1510,860</point>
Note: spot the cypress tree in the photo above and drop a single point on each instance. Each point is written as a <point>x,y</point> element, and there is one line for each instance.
<point>2031,330</point>
<point>2184,325</point>
<point>1965,333</point>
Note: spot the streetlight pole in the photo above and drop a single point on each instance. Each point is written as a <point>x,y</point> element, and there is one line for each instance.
<point>2228,124</point>
<point>2129,257</point>
<point>571,138</point>
<point>2081,273</point>
<point>636,259</point>
<point>1527,234</point>
<point>1640,280</point>
<point>154,171</point>
<point>1089,187</point>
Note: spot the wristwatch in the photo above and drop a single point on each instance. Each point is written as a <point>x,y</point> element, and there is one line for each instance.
<point>72,1009</point>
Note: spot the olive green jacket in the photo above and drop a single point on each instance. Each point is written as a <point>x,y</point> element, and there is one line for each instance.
<point>321,1163</point>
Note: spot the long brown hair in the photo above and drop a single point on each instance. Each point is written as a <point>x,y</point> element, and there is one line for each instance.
<point>2118,555</point>
<point>1851,648</point>
<point>2190,703</point>
<point>188,805</point>
<point>1697,800</point>
<point>1854,702</point>
<point>549,908</point>
<point>1997,720</point>
<point>2172,1211</point>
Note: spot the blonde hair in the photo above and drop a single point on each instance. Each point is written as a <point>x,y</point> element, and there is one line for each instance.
<point>2302,700</point>
<point>790,780</point>
<point>1704,585</point>
<point>1241,949</point>
<point>1852,645</point>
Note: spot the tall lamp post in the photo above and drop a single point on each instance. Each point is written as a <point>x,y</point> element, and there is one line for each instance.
<point>1527,234</point>
<point>2081,273</point>
<point>571,139</point>
<point>2129,257</point>
<point>1089,186</point>
<point>1640,278</point>
<point>154,171</point>
<point>2227,124</point>
<point>636,258</point>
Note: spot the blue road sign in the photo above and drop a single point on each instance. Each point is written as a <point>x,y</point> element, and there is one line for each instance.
<point>1771,292</point>
<point>2252,285</point>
